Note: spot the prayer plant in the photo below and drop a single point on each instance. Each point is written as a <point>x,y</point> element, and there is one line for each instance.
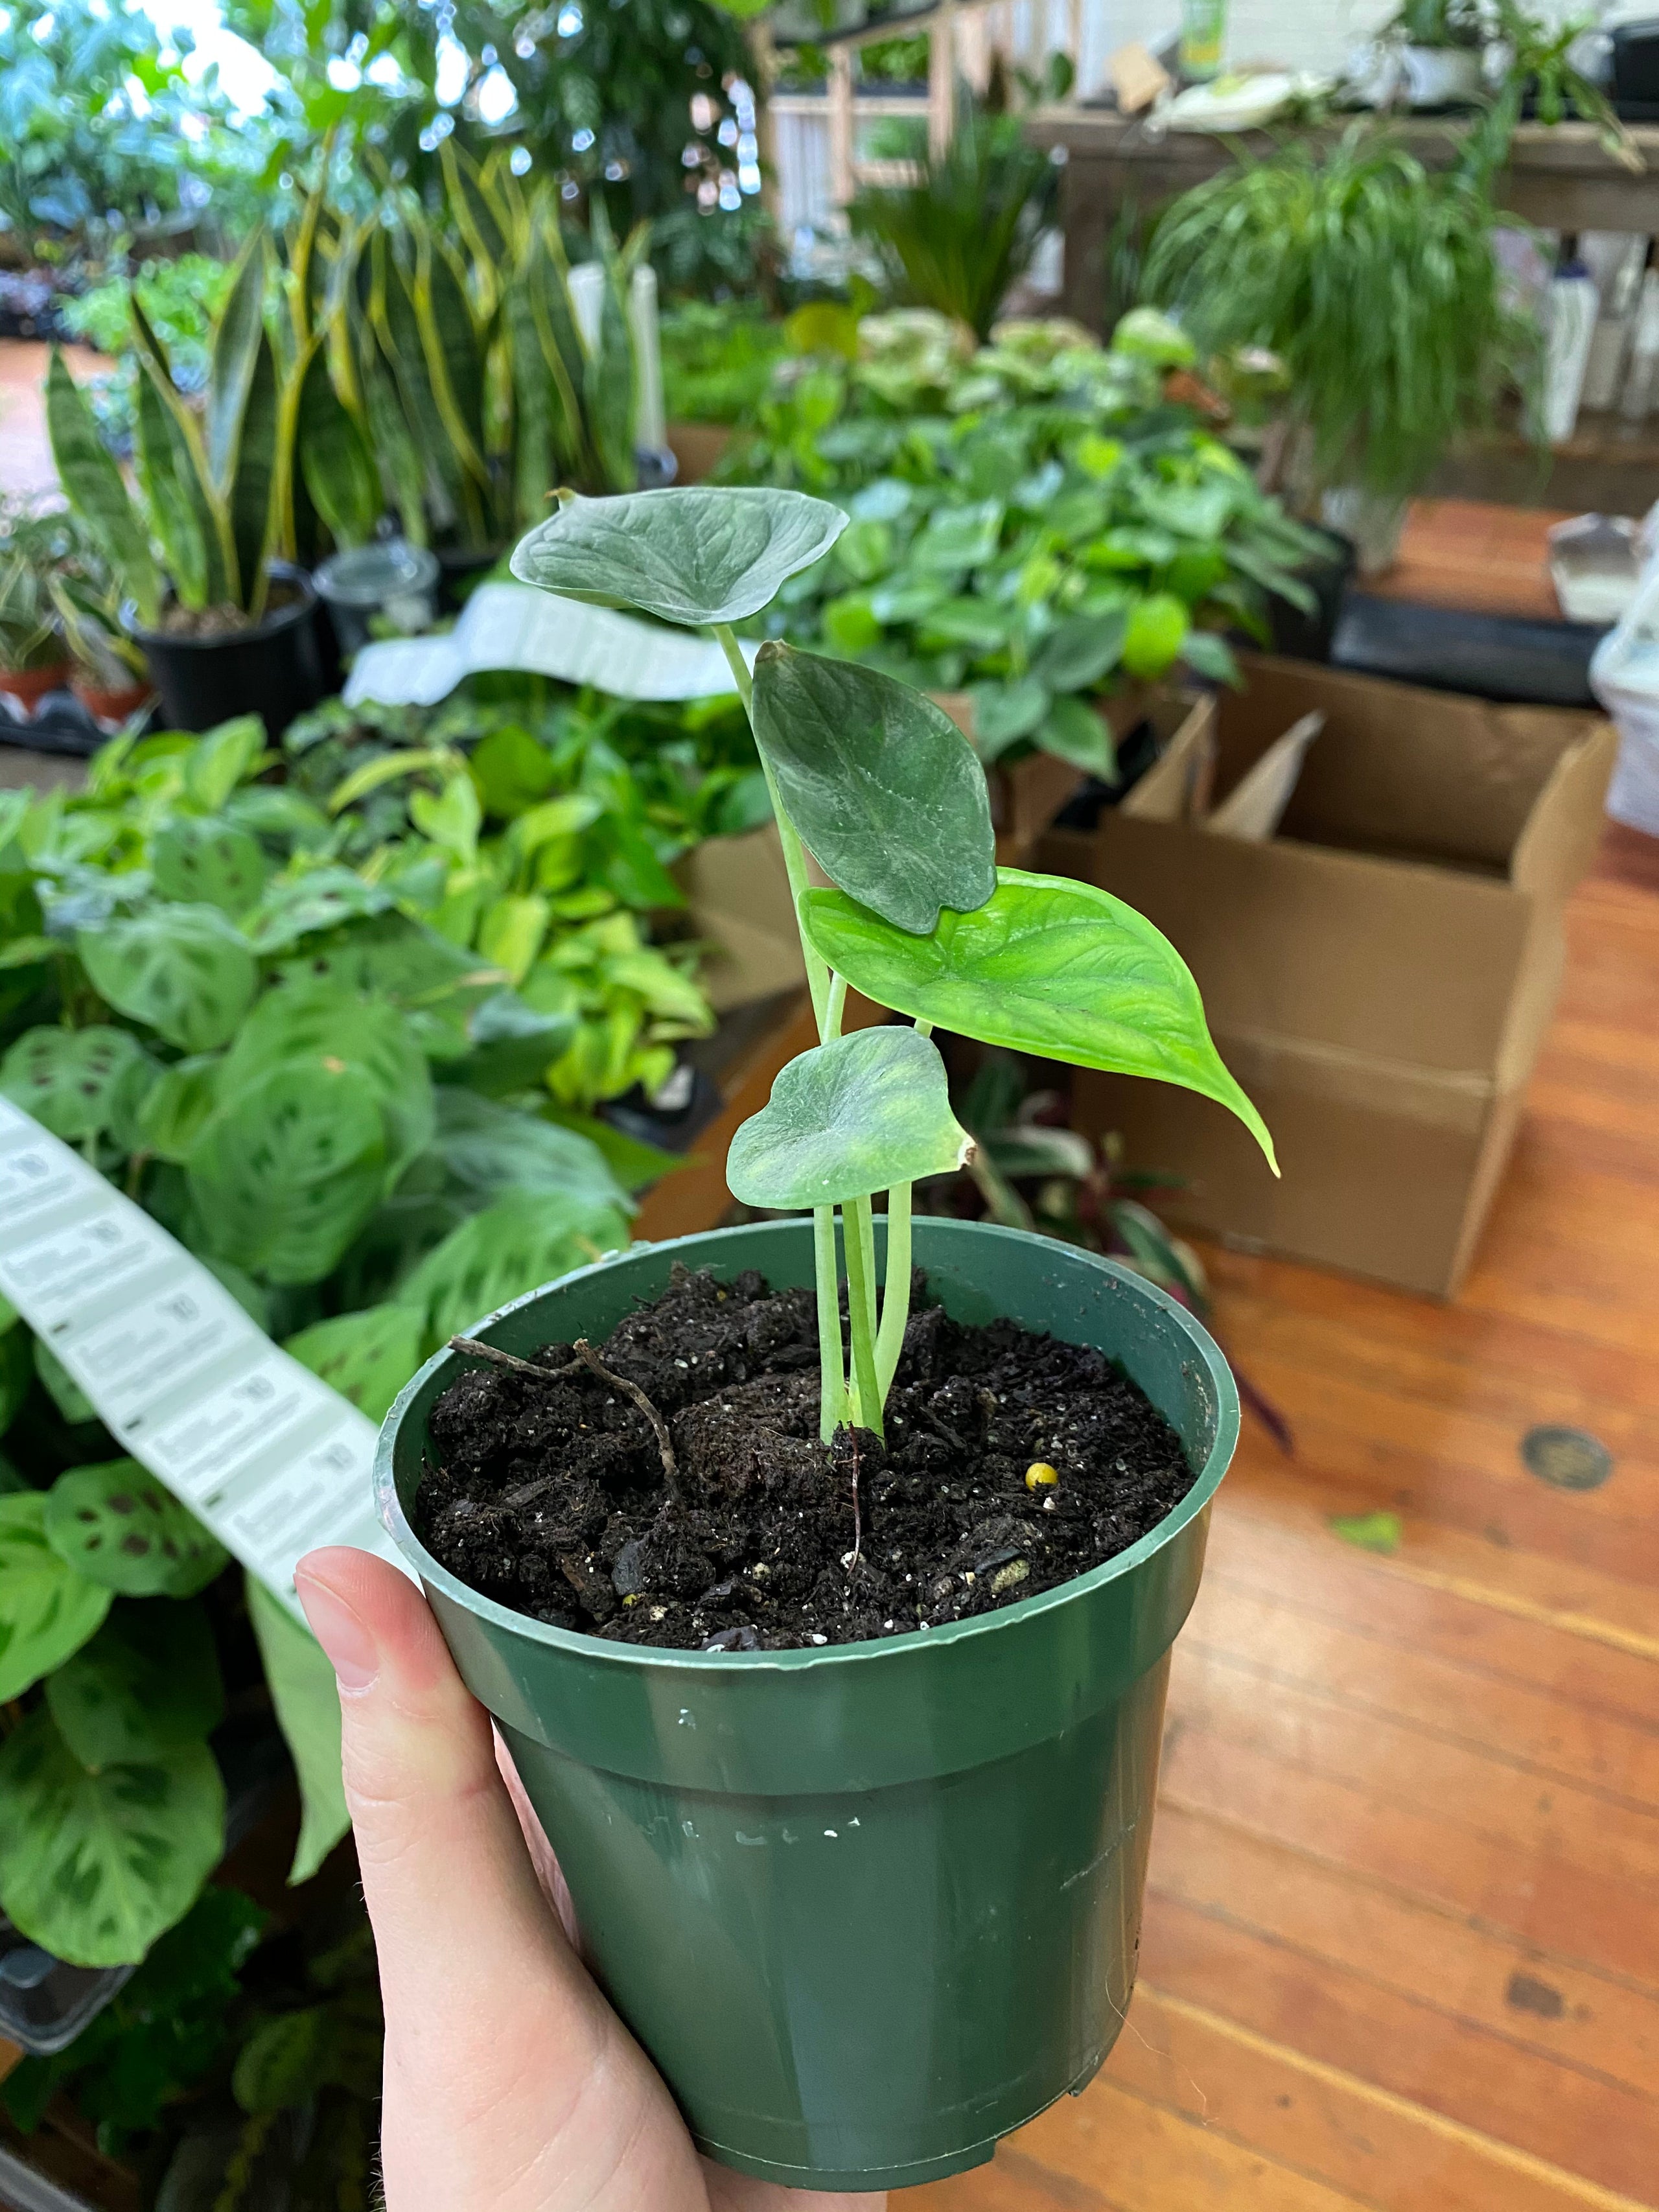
<point>888,798</point>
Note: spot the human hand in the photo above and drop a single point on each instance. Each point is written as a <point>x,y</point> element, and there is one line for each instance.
<point>510,2085</point>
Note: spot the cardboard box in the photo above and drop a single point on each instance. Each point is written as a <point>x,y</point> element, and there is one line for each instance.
<point>737,889</point>
<point>1379,975</point>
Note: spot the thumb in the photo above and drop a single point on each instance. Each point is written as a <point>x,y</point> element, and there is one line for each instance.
<point>449,1884</point>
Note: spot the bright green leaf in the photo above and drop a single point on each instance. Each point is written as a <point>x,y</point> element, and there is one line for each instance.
<point>1048,966</point>
<point>1371,1532</point>
<point>1156,628</point>
<point>702,555</point>
<point>287,1171</point>
<point>319,1028</point>
<point>93,1866</point>
<point>862,1113</point>
<point>177,1106</point>
<point>489,1150</point>
<point>888,794</point>
<point>302,1689</point>
<point>217,763</point>
<point>118,1526</point>
<point>47,1610</point>
<point>323,898</point>
<point>1072,731</point>
<point>61,1386</point>
<point>1079,650</point>
<point>512,770</point>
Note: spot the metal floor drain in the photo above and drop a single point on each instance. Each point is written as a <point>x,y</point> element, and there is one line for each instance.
<point>1567,1459</point>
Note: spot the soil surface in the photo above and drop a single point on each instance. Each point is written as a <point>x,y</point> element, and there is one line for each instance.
<point>549,1496</point>
<point>208,625</point>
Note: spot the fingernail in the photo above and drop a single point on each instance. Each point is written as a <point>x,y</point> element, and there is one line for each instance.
<point>352,1651</point>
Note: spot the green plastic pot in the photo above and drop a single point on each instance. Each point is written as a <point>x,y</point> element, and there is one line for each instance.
<point>868,1907</point>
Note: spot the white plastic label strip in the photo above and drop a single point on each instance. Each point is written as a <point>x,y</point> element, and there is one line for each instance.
<point>264,1453</point>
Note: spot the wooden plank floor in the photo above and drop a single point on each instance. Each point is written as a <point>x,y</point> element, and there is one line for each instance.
<point>1401,1946</point>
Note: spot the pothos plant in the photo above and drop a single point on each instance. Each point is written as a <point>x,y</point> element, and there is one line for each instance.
<point>881,788</point>
<point>1029,524</point>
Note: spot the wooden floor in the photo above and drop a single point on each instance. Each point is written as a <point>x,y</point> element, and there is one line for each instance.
<point>1402,1945</point>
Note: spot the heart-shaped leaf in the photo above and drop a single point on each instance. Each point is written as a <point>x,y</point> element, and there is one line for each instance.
<point>706,554</point>
<point>148,1683</point>
<point>93,1866</point>
<point>862,1113</point>
<point>71,1080</point>
<point>207,863</point>
<point>513,1247</point>
<point>1047,966</point>
<point>119,1527</point>
<point>888,794</point>
<point>286,1173</point>
<point>366,1357</point>
<point>47,1610</point>
<point>186,970</point>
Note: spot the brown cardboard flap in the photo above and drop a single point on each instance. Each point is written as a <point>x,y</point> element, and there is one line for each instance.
<point>1555,851</point>
<point>1379,958</point>
<point>737,889</point>
<point>1402,772</point>
<point>1176,787</point>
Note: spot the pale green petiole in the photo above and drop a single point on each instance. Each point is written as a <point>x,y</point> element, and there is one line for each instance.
<point>895,1297</point>
<point>829,997</point>
<point>794,853</point>
<point>832,1395</point>
<point>862,1313</point>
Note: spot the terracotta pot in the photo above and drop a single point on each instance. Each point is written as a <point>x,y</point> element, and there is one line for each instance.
<point>111,706</point>
<point>29,686</point>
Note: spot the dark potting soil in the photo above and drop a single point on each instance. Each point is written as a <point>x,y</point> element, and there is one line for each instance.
<point>550,1496</point>
<point>209,625</point>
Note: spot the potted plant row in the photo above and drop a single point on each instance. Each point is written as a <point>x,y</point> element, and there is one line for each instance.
<point>830,1652</point>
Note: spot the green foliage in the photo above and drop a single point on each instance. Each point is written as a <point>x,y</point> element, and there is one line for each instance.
<point>34,541</point>
<point>1027,524</point>
<point>694,557</point>
<point>147,1684</point>
<point>883,787</point>
<point>1373,281</point>
<point>302,1689</point>
<point>717,362</point>
<point>102,135</point>
<point>1037,964</point>
<point>957,238</point>
<point>47,1609</point>
<point>94,1866</point>
<point>1046,965</point>
<point>159,2035</point>
<point>859,1113</point>
<point>121,1529</point>
<point>246,1017</point>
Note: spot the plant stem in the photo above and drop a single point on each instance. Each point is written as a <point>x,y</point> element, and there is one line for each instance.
<point>861,1312</point>
<point>895,1293</point>
<point>832,1365</point>
<point>836,1007</point>
<point>794,853</point>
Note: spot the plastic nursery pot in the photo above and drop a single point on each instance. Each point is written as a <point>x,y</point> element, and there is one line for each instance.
<point>274,669</point>
<point>108,704</point>
<point>29,686</point>
<point>391,579</point>
<point>1299,634</point>
<point>868,1907</point>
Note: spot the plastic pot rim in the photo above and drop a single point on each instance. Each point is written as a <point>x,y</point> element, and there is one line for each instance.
<point>871,1651</point>
<point>268,626</point>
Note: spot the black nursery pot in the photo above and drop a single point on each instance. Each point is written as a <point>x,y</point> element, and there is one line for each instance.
<point>277,669</point>
<point>1297,635</point>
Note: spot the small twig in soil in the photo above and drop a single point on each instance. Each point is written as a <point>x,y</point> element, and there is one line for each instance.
<point>671,1473</point>
<point>588,1359</point>
<point>474,1349</point>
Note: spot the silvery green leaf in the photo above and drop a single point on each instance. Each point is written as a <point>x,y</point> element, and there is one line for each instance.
<point>861,1114</point>
<point>706,554</point>
<point>1047,966</point>
<point>885,790</point>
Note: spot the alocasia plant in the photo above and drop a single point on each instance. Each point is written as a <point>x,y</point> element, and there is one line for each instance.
<point>877,784</point>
